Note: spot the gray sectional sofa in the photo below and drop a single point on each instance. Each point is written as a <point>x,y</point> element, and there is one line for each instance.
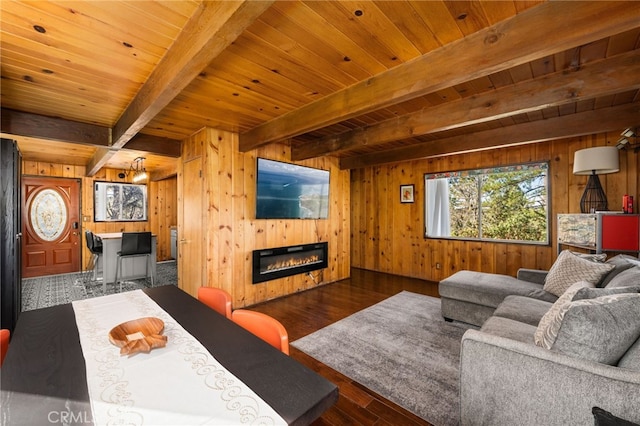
<point>511,374</point>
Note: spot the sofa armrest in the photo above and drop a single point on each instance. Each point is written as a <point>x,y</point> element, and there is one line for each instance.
<point>532,275</point>
<point>503,381</point>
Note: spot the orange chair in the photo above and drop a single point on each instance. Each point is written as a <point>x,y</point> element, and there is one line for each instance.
<point>217,299</point>
<point>265,327</point>
<point>4,343</point>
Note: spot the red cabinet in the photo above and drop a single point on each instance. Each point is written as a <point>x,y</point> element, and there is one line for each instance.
<point>619,232</point>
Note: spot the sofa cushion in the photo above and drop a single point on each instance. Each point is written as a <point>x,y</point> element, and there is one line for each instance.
<point>465,311</point>
<point>508,328</point>
<point>487,289</point>
<point>629,277</point>
<point>523,309</point>
<point>550,323</point>
<point>600,329</point>
<point>622,262</point>
<point>569,268</point>
<point>631,358</point>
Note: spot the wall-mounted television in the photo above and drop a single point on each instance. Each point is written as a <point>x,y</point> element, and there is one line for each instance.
<point>290,191</point>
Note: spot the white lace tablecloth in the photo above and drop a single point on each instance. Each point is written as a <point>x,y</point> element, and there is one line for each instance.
<point>180,384</point>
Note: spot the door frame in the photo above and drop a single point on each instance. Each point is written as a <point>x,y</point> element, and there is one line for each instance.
<point>74,233</point>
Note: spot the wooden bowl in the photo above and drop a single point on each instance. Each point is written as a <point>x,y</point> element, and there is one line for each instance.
<point>139,335</point>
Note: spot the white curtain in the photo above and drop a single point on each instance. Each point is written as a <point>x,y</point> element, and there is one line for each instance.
<point>438,208</point>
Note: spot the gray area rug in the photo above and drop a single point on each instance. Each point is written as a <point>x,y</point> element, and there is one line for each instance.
<point>51,290</point>
<point>400,348</point>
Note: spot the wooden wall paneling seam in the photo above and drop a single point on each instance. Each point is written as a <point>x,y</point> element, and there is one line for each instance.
<point>180,219</point>
<point>356,216</point>
<point>227,228</point>
<point>370,232</point>
<point>238,216</point>
<point>398,241</point>
<point>211,212</point>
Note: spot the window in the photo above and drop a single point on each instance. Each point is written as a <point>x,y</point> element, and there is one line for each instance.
<point>119,202</point>
<point>495,204</point>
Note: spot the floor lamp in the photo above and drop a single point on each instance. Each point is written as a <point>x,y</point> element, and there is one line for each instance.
<point>593,162</point>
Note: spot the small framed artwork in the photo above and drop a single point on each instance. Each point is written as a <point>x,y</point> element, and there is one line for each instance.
<point>406,193</point>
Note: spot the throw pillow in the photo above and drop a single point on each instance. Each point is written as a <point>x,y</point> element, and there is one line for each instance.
<point>630,277</point>
<point>569,268</point>
<point>550,322</point>
<point>634,260</point>
<point>621,263</point>
<point>601,257</point>
<point>592,293</point>
<point>601,329</point>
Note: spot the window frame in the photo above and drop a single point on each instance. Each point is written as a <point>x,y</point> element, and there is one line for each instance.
<point>485,171</point>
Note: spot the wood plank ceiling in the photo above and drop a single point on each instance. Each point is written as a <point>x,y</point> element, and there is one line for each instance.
<point>98,83</point>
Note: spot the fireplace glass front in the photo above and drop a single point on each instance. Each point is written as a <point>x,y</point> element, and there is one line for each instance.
<point>269,264</point>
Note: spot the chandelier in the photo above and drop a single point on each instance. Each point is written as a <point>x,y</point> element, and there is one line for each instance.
<point>139,172</point>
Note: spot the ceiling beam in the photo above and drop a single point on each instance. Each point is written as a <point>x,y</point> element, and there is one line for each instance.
<point>162,174</point>
<point>52,128</point>
<point>140,142</point>
<point>504,45</point>
<point>98,161</point>
<point>38,126</point>
<point>602,78</point>
<point>155,145</point>
<point>584,123</point>
<point>210,30</point>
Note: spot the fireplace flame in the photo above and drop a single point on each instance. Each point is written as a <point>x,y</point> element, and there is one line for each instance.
<point>292,262</point>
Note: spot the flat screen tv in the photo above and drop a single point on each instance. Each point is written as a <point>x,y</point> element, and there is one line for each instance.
<point>290,191</point>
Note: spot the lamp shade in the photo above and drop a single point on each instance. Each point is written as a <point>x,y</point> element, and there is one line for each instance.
<point>599,160</point>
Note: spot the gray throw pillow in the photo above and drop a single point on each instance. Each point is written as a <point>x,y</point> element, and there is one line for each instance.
<point>550,323</point>
<point>600,257</point>
<point>569,268</point>
<point>592,293</point>
<point>622,263</point>
<point>630,277</point>
<point>600,329</point>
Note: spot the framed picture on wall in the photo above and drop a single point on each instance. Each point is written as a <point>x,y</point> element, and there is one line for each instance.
<point>119,202</point>
<point>406,193</point>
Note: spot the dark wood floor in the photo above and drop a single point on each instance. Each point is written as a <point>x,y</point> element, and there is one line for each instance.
<point>306,312</point>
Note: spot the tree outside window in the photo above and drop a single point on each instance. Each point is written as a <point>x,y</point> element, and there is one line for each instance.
<point>497,204</point>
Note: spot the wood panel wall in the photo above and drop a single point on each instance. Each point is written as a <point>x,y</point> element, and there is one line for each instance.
<point>162,204</point>
<point>388,236</point>
<point>232,232</point>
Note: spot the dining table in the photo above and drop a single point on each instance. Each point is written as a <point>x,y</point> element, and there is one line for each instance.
<point>65,366</point>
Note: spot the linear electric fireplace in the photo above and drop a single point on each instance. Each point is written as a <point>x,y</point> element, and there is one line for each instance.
<point>269,264</point>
